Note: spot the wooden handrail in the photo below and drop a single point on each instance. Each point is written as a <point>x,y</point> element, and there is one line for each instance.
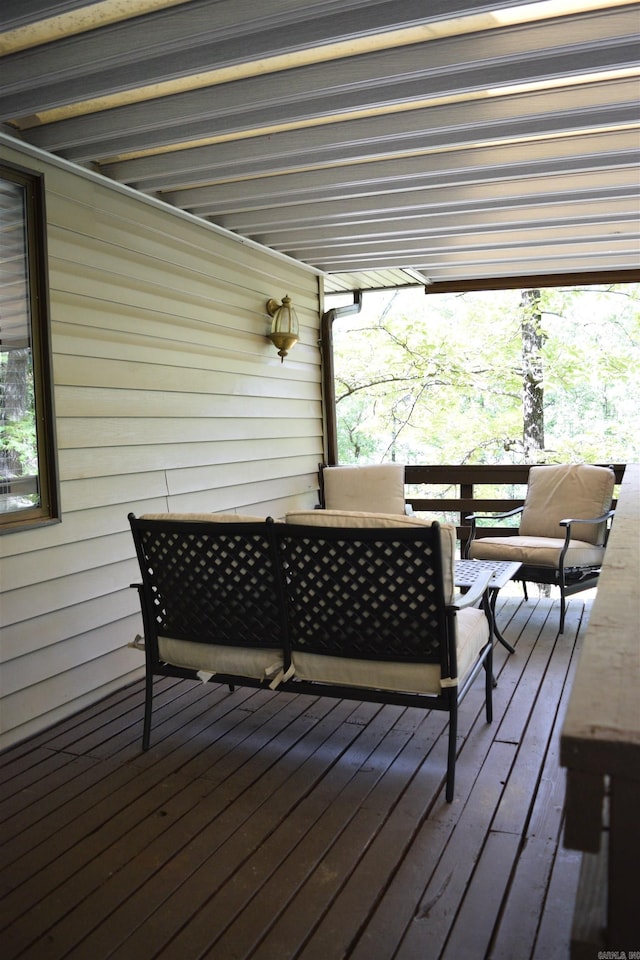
<point>600,745</point>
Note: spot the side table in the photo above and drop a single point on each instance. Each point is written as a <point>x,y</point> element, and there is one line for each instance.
<point>465,575</point>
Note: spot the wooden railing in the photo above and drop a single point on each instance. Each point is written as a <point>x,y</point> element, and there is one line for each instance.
<point>19,486</point>
<point>600,747</point>
<point>459,492</point>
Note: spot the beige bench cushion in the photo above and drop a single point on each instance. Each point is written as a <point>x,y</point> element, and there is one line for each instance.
<point>375,487</point>
<point>472,635</point>
<point>211,658</point>
<point>352,518</point>
<point>537,551</point>
<point>205,517</point>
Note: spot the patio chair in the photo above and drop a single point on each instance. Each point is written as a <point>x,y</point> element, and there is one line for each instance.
<point>563,530</point>
<point>370,488</point>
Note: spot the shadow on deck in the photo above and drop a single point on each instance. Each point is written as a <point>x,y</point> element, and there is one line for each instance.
<point>275,826</point>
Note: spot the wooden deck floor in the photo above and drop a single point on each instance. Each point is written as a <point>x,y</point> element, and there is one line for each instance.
<point>275,826</point>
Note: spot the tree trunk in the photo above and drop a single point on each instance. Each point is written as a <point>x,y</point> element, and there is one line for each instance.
<point>532,376</point>
<point>15,403</point>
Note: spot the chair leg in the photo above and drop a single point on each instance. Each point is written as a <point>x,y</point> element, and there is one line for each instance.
<point>563,605</point>
<point>451,754</point>
<point>489,683</point>
<point>148,708</point>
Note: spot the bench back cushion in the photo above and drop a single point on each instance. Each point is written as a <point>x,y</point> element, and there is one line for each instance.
<point>205,517</point>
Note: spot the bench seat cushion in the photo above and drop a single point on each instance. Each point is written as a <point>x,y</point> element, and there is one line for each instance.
<point>257,663</point>
<point>472,635</point>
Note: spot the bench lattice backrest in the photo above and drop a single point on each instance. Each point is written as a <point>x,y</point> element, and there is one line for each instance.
<point>210,582</point>
<point>365,593</point>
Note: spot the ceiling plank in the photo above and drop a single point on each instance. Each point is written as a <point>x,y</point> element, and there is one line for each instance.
<point>388,141</point>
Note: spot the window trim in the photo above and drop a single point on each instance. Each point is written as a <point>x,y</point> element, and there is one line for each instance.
<point>48,510</point>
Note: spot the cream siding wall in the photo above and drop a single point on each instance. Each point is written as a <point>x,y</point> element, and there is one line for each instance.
<point>168,397</point>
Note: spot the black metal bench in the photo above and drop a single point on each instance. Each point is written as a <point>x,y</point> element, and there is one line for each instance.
<point>343,612</point>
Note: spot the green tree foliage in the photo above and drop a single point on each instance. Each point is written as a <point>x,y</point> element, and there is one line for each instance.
<point>440,378</point>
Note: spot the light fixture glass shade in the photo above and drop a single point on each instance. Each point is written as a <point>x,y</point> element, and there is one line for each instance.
<point>284,326</point>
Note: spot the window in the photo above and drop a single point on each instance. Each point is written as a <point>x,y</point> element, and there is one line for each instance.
<point>28,479</point>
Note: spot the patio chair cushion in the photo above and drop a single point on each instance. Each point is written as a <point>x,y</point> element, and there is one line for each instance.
<point>536,551</point>
<point>561,492</point>
<point>375,487</point>
<point>356,518</point>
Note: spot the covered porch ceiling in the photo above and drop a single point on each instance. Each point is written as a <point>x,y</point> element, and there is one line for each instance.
<point>381,142</point>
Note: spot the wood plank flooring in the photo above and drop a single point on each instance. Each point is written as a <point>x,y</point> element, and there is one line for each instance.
<point>273,826</point>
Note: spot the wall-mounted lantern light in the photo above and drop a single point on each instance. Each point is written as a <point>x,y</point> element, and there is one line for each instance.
<point>284,326</point>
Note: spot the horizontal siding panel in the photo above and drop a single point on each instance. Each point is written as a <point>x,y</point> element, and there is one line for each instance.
<point>175,375</point>
<point>79,529</point>
<point>106,491</point>
<point>243,498</point>
<point>156,282</point>
<point>210,318</point>
<point>67,560</point>
<point>223,475</point>
<point>115,432</point>
<point>102,402</point>
<point>22,638</point>
<point>76,650</point>
<point>39,599</point>
<point>67,688</point>
<point>103,213</point>
<point>244,345</point>
<point>234,350</point>
<point>82,465</point>
<point>157,299</point>
<point>142,453</point>
<point>148,282</point>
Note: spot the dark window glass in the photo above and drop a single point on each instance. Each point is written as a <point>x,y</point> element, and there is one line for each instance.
<point>28,482</point>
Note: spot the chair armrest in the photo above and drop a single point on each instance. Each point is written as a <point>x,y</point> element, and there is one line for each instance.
<point>472,517</point>
<point>494,516</point>
<point>605,516</point>
<point>474,593</point>
<point>567,534</point>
